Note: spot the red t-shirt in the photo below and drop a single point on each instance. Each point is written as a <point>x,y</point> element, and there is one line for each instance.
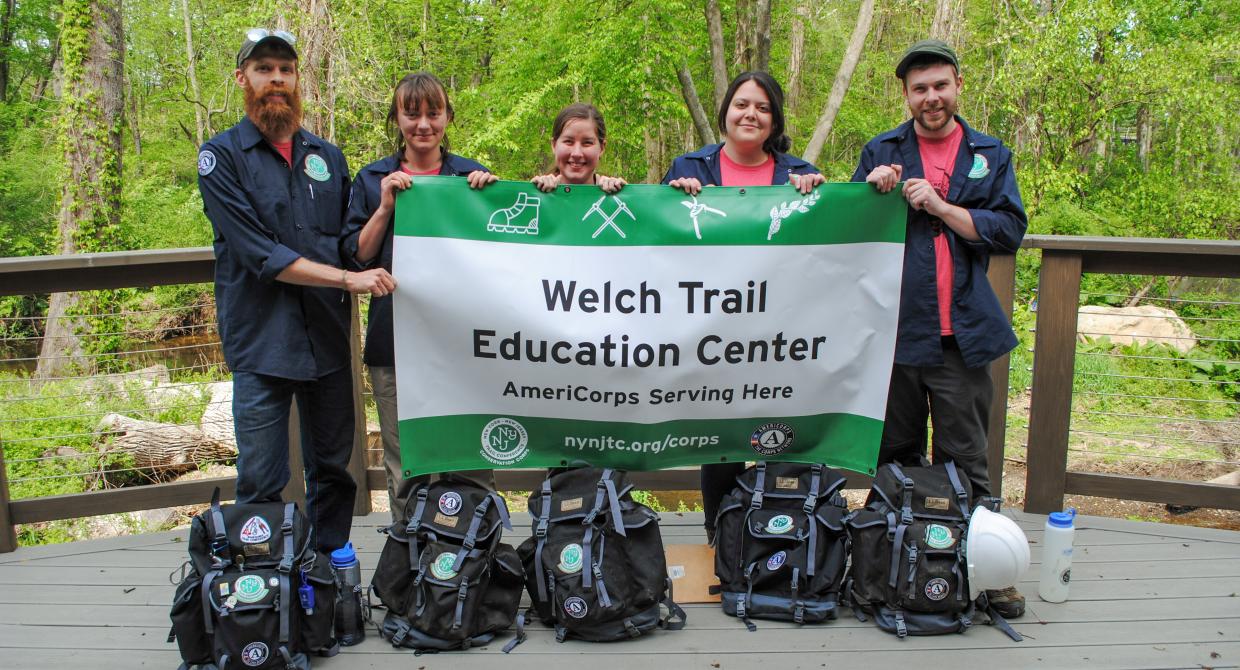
<point>732,173</point>
<point>428,173</point>
<point>938,157</point>
<point>285,149</point>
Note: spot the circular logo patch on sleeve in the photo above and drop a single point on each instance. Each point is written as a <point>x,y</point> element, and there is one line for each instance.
<point>206,162</point>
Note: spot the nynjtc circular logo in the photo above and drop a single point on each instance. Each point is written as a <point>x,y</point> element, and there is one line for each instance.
<point>771,438</point>
<point>504,441</point>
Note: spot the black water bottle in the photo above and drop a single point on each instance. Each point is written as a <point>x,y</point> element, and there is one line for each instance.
<point>349,629</point>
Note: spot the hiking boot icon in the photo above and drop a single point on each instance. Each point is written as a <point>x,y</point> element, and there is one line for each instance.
<point>520,218</point>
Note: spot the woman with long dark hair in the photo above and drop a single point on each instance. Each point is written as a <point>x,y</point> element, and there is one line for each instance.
<point>753,153</point>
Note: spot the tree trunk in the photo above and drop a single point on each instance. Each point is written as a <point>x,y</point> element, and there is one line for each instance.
<point>314,40</point>
<point>843,77</point>
<point>742,52</point>
<point>1145,137</point>
<point>191,70</point>
<point>718,59</point>
<point>947,21</point>
<point>701,122</point>
<point>796,56</point>
<point>92,110</point>
<point>650,141</point>
<point>762,35</point>
<point>6,41</point>
<point>1045,7</point>
<point>53,70</point>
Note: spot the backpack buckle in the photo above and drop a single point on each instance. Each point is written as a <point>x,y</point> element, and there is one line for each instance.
<point>541,531</point>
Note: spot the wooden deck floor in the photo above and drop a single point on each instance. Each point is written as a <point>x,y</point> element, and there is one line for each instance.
<point>1143,596</point>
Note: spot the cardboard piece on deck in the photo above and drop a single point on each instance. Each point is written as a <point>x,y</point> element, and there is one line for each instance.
<point>692,569</point>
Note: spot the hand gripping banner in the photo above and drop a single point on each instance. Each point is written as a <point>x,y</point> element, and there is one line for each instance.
<point>644,330</point>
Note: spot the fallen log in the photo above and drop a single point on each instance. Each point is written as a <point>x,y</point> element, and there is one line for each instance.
<point>158,450</point>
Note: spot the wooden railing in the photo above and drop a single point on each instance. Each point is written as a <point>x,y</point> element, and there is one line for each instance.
<point>1063,261</point>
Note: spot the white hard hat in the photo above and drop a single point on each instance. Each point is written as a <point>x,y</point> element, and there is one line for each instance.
<point>997,552</point>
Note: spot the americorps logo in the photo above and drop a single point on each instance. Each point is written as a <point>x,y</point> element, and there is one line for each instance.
<point>504,441</point>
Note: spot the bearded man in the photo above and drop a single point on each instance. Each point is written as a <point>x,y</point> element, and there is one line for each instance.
<point>276,196</point>
<point>963,205</point>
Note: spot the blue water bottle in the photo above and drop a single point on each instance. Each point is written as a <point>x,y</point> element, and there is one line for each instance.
<point>349,629</point>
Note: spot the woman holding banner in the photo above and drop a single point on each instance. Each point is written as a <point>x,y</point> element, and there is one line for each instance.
<point>751,119</point>
<point>578,138</point>
<point>417,120</point>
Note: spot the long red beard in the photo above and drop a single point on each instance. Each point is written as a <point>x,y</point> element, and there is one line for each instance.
<point>274,117</point>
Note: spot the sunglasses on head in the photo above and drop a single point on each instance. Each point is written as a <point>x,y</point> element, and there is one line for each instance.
<point>256,34</point>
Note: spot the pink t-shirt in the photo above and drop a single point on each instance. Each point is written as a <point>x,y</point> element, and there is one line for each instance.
<point>938,157</point>
<point>735,174</point>
<point>428,173</point>
<point>285,149</point>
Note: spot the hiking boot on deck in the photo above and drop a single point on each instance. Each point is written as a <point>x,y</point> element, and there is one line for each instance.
<point>1009,603</point>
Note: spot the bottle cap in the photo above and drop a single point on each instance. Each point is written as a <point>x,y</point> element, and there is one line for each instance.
<point>344,556</point>
<point>1062,519</point>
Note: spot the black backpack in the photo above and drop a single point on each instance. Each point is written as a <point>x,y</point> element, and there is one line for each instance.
<point>594,567</point>
<point>446,579</point>
<point>909,568</point>
<point>254,593</point>
<point>780,545</point>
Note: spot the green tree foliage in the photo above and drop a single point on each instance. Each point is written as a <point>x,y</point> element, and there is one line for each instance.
<point>1120,112</point>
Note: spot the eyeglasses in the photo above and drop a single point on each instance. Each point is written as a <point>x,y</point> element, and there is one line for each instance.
<point>256,34</point>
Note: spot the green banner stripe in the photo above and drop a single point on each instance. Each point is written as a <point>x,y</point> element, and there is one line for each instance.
<point>839,440</point>
<point>834,213</point>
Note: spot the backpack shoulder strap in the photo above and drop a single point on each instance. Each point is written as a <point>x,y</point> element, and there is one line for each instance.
<point>962,498</point>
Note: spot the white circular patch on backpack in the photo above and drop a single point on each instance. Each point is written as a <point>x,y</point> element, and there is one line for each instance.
<point>576,607</point>
<point>780,524</point>
<point>254,654</point>
<point>776,561</point>
<point>450,503</point>
<point>937,589</point>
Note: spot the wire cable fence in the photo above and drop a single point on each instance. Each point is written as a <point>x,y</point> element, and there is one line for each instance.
<point>1159,387</point>
<point>139,396</point>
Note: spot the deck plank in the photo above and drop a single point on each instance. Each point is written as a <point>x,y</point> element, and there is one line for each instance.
<point>1144,595</point>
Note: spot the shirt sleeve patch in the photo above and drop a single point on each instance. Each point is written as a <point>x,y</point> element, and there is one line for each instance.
<point>206,163</point>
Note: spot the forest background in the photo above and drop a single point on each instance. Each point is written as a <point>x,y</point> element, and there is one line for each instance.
<point>1121,114</point>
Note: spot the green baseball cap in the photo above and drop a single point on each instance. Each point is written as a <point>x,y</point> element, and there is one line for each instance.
<point>932,48</point>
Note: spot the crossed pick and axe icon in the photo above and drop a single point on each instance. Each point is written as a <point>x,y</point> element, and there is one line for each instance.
<point>608,219</point>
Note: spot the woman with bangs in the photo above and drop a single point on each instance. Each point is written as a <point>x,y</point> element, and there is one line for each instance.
<point>753,153</point>
<point>417,120</point>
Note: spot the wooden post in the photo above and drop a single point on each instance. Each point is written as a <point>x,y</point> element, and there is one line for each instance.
<point>1054,355</point>
<point>295,489</point>
<point>8,535</point>
<point>357,461</point>
<point>1002,276</point>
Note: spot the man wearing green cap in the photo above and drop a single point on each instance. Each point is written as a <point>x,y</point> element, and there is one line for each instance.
<point>963,206</point>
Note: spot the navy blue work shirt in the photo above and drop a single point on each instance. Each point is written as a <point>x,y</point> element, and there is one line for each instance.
<point>265,215</point>
<point>984,183</point>
<point>380,348</point>
<point>703,165</point>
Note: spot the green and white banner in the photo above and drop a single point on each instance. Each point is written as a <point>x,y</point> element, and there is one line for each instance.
<point>645,330</point>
